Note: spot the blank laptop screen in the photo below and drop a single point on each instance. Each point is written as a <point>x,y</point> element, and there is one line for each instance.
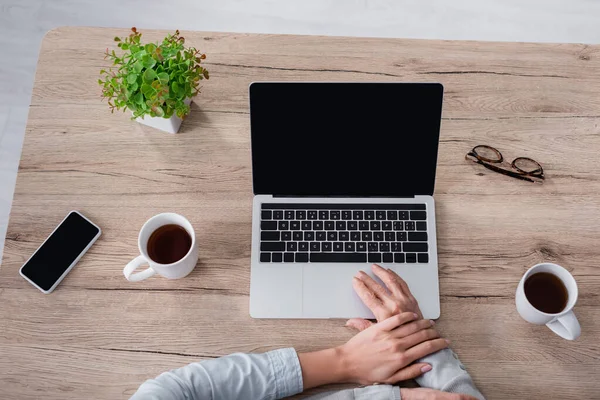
<point>345,139</point>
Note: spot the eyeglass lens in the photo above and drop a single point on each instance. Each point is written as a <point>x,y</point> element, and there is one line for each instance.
<point>488,153</point>
<point>526,165</point>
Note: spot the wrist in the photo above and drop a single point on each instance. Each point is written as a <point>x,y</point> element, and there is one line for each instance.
<point>323,367</point>
<point>345,367</point>
<point>339,365</point>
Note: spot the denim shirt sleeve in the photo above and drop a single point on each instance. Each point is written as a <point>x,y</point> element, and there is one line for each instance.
<point>271,375</point>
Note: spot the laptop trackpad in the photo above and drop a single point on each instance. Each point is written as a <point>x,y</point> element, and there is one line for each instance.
<point>328,293</point>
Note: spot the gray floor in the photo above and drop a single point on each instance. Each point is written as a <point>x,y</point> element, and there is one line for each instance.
<point>24,22</point>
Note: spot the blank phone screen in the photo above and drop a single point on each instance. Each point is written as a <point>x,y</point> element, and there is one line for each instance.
<point>59,251</point>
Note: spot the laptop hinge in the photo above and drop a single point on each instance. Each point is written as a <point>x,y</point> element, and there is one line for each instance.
<point>342,197</point>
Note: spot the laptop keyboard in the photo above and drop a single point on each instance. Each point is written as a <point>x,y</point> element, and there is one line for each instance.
<point>358,233</point>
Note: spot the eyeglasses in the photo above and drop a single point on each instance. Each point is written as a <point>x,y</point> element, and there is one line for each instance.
<point>523,168</point>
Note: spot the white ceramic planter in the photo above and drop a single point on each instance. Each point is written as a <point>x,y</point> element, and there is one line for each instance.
<point>170,125</point>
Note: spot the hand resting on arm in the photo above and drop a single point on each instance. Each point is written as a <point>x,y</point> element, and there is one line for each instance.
<point>448,374</point>
<point>383,353</point>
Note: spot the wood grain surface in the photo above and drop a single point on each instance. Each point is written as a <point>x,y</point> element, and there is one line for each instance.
<point>99,336</point>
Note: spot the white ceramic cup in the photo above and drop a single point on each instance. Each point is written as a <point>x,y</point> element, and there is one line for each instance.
<point>176,270</point>
<point>564,323</point>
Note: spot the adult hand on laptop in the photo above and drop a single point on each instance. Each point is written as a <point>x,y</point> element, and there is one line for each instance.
<point>448,374</point>
<point>383,302</point>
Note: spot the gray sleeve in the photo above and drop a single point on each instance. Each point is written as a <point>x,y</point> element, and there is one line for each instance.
<point>448,374</point>
<point>271,375</point>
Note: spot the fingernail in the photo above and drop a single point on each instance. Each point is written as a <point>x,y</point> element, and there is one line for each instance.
<point>378,266</point>
<point>432,322</point>
<point>415,315</point>
<point>447,341</point>
<point>358,274</point>
<point>426,368</point>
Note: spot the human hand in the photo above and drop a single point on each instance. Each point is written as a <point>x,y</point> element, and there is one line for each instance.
<point>383,353</point>
<point>382,302</point>
<point>430,394</point>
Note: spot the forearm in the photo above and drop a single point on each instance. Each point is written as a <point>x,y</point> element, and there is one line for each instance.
<point>447,374</point>
<point>322,368</point>
<point>272,375</point>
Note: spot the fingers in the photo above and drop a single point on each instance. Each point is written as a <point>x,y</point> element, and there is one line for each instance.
<point>410,372</point>
<point>372,285</point>
<point>430,394</point>
<point>413,327</point>
<point>424,349</point>
<point>399,281</point>
<point>410,394</point>
<point>405,289</point>
<point>368,297</point>
<point>390,281</point>
<point>397,320</point>
<point>387,305</point>
<point>359,324</point>
<point>420,337</point>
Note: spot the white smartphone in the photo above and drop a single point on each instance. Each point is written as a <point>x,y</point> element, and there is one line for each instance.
<point>59,253</point>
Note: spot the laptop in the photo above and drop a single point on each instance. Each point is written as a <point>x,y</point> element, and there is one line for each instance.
<point>343,177</point>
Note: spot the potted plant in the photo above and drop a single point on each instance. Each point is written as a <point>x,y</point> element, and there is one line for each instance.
<point>156,82</point>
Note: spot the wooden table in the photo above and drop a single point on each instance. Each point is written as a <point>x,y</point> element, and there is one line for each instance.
<point>99,336</point>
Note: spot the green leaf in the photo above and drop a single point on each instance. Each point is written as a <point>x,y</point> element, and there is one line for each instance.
<point>150,48</point>
<point>149,75</point>
<point>134,86</point>
<point>148,61</point>
<point>138,66</point>
<point>147,90</point>
<point>175,88</point>
<point>117,39</point>
<point>138,98</point>
<point>163,77</point>
<point>131,78</point>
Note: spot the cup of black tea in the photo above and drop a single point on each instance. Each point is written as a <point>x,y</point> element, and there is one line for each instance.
<point>546,295</point>
<point>167,244</point>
